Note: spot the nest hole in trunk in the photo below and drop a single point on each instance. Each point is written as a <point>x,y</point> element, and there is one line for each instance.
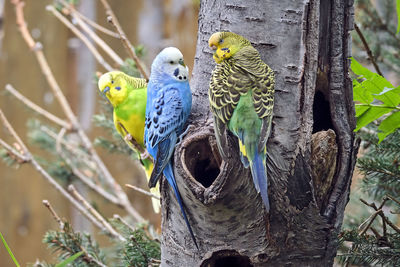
<point>227,258</point>
<point>202,159</point>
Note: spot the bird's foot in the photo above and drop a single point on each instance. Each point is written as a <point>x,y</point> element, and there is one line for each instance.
<point>183,134</point>
<point>145,155</point>
<point>128,137</point>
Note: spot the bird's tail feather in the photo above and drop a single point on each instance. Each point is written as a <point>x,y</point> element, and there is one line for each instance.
<point>171,180</point>
<point>259,173</point>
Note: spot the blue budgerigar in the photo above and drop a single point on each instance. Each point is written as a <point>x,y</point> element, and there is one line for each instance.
<point>169,101</point>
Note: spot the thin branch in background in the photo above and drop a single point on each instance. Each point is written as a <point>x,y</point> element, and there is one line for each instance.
<point>10,129</point>
<point>44,66</point>
<point>13,153</point>
<point>94,212</point>
<point>140,190</point>
<point>45,174</point>
<point>121,220</point>
<point>87,181</point>
<point>37,108</point>
<point>84,157</point>
<point>69,9</point>
<point>363,228</point>
<point>37,49</point>
<point>367,49</point>
<point>96,25</point>
<point>47,204</point>
<point>381,214</point>
<point>128,46</point>
<point>83,38</point>
<point>393,198</point>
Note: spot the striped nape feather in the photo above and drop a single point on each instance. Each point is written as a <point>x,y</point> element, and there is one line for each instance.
<point>134,82</point>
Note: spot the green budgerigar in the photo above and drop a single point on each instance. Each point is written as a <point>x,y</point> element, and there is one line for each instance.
<point>128,96</point>
<point>241,98</point>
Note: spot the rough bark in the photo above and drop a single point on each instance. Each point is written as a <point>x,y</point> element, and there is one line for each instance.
<point>307,43</point>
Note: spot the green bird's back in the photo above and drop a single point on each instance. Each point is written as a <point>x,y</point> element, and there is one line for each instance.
<point>241,96</point>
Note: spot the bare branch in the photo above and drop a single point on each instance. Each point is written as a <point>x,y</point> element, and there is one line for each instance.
<point>94,212</point>
<point>70,10</point>
<point>140,190</point>
<point>363,228</point>
<point>95,25</point>
<point>121,220</point>
<point>394,199</point>
<point>13,152</point>
<point>14,134</point>
<point>45,174</point>
<point>128,46</point>
<point>68,112</point>
<point>36,108</point>
<point>83,38</point>
<point>367,49</point>
<point>47,204</point>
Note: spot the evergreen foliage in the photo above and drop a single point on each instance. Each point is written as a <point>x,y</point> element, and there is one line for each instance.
<point>372,238</point>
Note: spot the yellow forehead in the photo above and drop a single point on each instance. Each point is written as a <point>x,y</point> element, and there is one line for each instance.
<point>214,39</point>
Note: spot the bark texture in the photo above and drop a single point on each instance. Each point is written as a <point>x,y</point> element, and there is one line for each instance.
<point>307,44</point>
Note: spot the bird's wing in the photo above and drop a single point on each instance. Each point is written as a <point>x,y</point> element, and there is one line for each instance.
<point>228,83</point>
<point>165,117</point>
<point>262,84</point>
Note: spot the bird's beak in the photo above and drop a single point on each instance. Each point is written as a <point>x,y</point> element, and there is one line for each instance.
<point>182,63</point>
<point>213,47</point>
<point>105,90</point>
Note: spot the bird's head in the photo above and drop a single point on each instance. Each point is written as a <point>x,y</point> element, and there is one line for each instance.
<point>113,85</point>
<point>226,44</point>
<point>169,65</point>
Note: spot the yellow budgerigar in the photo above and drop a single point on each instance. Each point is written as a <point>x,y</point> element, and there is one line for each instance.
<point>128,96</point>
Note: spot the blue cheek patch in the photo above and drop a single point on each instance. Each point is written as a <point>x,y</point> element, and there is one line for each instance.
<point>118,88</point>
<point>225,49</point>
<point>176,72</point>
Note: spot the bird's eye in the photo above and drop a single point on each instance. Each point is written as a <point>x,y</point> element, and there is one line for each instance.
<point>221,41</point>
<point>171,62</point>
<point>112,81</point>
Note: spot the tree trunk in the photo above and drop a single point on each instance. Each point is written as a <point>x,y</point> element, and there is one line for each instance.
<point>311,151</point>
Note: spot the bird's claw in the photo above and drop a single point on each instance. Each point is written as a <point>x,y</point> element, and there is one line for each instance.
<point>128,137</point>
<point>144,155</point>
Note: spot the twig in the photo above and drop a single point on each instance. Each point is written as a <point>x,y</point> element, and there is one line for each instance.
<point>362,228</point>
<point>37,48</point>
<point>36,108</point>
<point>393,198</point>
<point>87,181</point>
<point>142,191</point>
<point>96,26</point>
<point>83,38</point>
<point>45,174</point>
<point>367,49</point>
<point>94,212</point>
<point>69,8</point>
<point>128,46</point>
<point>394,227</point>
<point>14,134</point>
<point>84,157</point>
<point>381,214</point>
<point>47,204</point>
<point>131,140</point>
<point>15,154</point>
<point>121,220</point>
